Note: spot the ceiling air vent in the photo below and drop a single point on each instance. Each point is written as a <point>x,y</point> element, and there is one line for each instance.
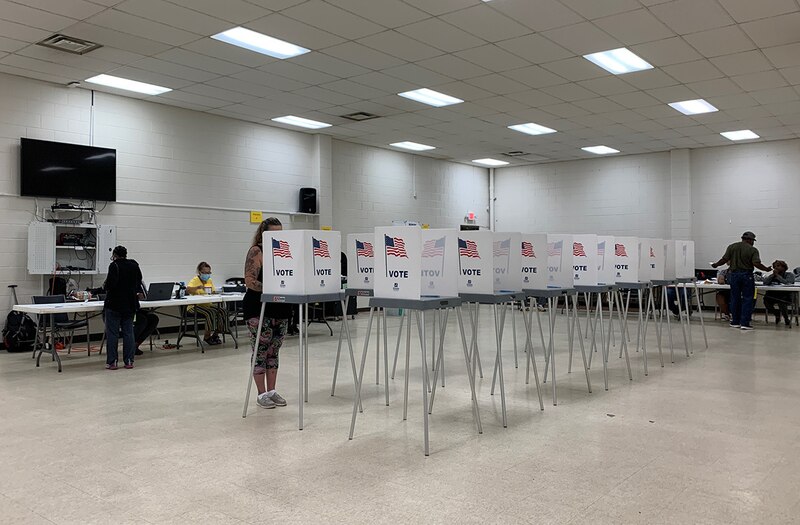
<point>76,46</point>
<point>515,154</point>
<point>360,116</point>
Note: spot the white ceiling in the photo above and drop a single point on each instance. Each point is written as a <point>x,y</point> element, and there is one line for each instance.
<point>512,61</point>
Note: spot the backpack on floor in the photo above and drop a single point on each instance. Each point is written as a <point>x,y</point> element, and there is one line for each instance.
<point>19,333</point>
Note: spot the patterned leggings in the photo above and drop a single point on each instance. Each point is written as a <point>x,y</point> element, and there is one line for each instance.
<point>214,316</point>
<point>272,334</point>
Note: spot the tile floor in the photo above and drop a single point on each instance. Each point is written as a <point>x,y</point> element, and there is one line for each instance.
<point>710,439</point>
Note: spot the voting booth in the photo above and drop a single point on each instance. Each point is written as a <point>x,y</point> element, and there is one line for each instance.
<point>398,267</point>
<point>584,260</point>
<point>626,260</point>
<point>301,262</point>
<point>532,261</point>
<point>475,262</point>
<point>507,256</point>
<point>651,260</point>
<point>360,251</point>
<point>559,261</point>
<point>679,262</point>
<point>605,260</point>
<point>439,262</point>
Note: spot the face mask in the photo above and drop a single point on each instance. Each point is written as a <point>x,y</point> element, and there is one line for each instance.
<point>205,277</point>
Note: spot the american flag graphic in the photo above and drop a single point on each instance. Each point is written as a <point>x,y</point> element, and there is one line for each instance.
<point>527,249</point>
<point>652,253</point>
<point>601,249</point>
<point>577,249</point>
<point>364,249</point>
<point>281,249</point>
<point>320,248</point>
<point>395,246</point>
<point>433,248</point>
<point>554,248</point>
<point>468,249</point>
<point>619,250</point>
<point>502,248</point>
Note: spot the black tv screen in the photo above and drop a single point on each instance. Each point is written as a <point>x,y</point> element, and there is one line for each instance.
<point>68,171</point>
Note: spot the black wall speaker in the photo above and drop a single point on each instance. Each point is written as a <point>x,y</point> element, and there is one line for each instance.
<point>308,200</point>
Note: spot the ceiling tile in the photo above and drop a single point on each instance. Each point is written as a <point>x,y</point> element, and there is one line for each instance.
<point>779,95</point>
<point>454,67</point>
<point>354,89</point>
<point>774,31</point>
<point>297,72</point>
<point>502,104</point>
<point>535,49</point>
<point>534,98</point>
<point>574,69</point>
<point>363,56</point>
<point>539,15</point>
<point>109,37</point>
<point>84,62</point>
<point>279,26</point>
<point>487,23</point>
<point>583,38</point>
<point>418,75</point>
<point>565,110</point>
<point>23,14</point>
<point>266,79</point>
<point>332,19</point>
<point>742,63</point>
<point>9,45</point>
<point>733,102</point>
<point>498,84</point>
<point>325,95</point>
<point>637,99</point>
<point>440,7</point>
<point>388,13</point>
<point>746,10</point>
<point>77,9</point>
<point>608,85</point>
<point>125,23</point>
<point>599,105</point>
<point>43,66</point>
<point>693,71</point>
<point>535,76</point>
<point>383,82</point>
<point>653,78</point>
<point>691,16</point>
<point>175,16</point>
<point>666,52</point>
<point>634,27</point>
<point>784,56</point>
<point>492,58</point>
<point>214,48</point>
<point>150,77</point>
<point>400,46</point>
<point>197,61</point>
<point>330,65</point>
<point>592,10</point>
<point>175,70</point>
<point>672,94</point>
<point>233,97</point>
<point>236,11</point>
<point>463,91</point>
<point>759,81</point>
<point>716,87</point>
<point>441,35</point>
<point>569,92</point>
<point>237,84</point>
<point>792,75</point>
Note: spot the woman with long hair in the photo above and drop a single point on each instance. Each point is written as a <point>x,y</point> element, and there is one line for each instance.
<point>268,343</point>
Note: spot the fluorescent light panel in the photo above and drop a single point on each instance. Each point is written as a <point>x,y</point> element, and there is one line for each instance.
<point>490,162</point>
<point>693,107</point>
<point>413,146</point>
<point>431,97</point>
<point>301,122</point>
<point>600,150</point>
<point>742,134</point>
<point>619,61</point>
<point>127,84</point>
<point>260,43</point>
<point>532,129</point>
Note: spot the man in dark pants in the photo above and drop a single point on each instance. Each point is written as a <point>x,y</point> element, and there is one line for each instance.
<point>122,287</point>
<point>742,257</point>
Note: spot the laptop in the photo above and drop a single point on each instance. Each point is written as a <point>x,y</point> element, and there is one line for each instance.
<point>160,291</point>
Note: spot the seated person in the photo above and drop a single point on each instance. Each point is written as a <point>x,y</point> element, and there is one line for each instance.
<point>673,294</point>
<point>777,302</point>
<point>145,323</point>
<point>723,296</point>
<point>215,317</point>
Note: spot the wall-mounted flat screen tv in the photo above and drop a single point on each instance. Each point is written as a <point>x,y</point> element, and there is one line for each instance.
<point>67,171</point>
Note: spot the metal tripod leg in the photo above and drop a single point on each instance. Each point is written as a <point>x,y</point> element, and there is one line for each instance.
<point>359,380</point>
<point>531,358</point>
<point>580,342</point>
<point>397,346</point>
<point>700,313</point>
<point>252,369</point>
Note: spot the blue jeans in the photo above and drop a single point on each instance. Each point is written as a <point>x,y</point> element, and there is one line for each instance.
<point>743,290</point>
<point>115,322</point>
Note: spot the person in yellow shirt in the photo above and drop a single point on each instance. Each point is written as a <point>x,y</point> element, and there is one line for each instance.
<point>215,317</point>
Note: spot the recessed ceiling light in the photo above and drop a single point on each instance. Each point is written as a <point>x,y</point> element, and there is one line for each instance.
<point>260,43</point>
<point>431,97</point>
<point>618,61</point>
<point>301,122</point>
<point>490,162</point>
<point>742,134</point>
<point>600,150</point>
<point>693,107</point>
<point>413,146</point>
<point>532,129</point>
<point>127,85</point>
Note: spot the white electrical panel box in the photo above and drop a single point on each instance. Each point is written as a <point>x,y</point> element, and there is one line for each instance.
<point>41,247</point>
<point>69,248</point>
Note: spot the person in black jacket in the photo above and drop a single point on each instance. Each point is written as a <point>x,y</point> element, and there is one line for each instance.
<point>122,287</point>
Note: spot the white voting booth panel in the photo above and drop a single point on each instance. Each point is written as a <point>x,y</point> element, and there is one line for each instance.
<point>584,263</point>
<point>559,261</point>
<point>398,268</point>
<point>533,262</point>
<point>360,252</point>
<point>605,259</point>
<point>651,261</point>
<point>679,262</point>
<point>475,262</point>
<point>506,251</point>
<point>439,263</point>
<point>298,262</point>
<point>626,259</point>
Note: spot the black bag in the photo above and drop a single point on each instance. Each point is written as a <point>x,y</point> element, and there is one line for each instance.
<point>19,333</point>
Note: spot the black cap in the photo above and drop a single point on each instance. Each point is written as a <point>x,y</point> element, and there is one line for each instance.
<point>749,235</point>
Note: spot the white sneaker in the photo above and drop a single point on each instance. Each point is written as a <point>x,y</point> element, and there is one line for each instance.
<point>735,325</point>
<point>747,328</point>
<point>264,401</point>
